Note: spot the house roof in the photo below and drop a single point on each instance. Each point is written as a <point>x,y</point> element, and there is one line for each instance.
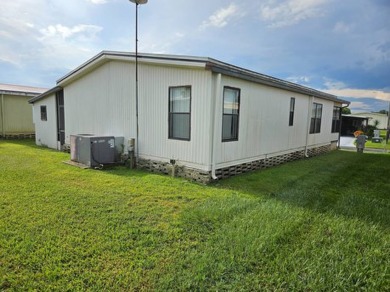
<point>190,61</point>
<point>45,94</point>
<point>11,89</point>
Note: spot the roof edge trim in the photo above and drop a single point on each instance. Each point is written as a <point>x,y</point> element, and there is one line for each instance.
<point>45,94</point>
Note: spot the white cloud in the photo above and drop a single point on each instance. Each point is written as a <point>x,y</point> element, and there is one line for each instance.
<point>359,106</point>
<point>71,45</point>
<point>342,90</point>
<point>97,1</point>
<point>290,12</point>
<point>28,38</point>
<point>299,79</point>
<point>154,45</point>
<point>30,25</point>
<point>9,56</point>
<point>360,93</point>
<point>333,84</point>
<point>87,31</point>
<point>341,27</point>
<point>221,17</point>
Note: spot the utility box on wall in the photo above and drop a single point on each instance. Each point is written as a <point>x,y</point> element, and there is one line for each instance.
<point>94,151</point>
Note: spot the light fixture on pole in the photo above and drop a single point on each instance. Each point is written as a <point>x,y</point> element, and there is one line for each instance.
<point>137,2</point>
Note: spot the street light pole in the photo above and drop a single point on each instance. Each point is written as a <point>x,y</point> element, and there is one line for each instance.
<point>137,2</point>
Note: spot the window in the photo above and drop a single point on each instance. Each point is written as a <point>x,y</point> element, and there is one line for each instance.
<point>179,113</point>
<point>336,120</point>
<point>231,109</point>
<point>316,114</point>
<point>43,113</point>
<point>292,108</point>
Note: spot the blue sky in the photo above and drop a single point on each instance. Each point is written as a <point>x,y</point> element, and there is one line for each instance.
<point>341,47</point>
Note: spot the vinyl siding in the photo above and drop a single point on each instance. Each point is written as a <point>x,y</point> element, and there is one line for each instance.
<point>154,83</point>
<point>101,102</point>
<point>17,115</point>
<point>264,124</point>
<point>46,131</point>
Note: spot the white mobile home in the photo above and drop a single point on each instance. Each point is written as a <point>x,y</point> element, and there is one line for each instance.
<point>208,118</point>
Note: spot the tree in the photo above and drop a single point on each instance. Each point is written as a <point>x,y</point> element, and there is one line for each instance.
<point>346,111</point>
<point>383,112</point>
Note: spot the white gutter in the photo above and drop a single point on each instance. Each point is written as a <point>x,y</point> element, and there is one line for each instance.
<point>215,124</point>
<point>310,108</point>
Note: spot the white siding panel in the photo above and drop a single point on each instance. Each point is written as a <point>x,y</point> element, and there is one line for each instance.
<point>325,136</point>
<point>264,123</point>
<point>18,115</point>
<point>154,83</point>
<point>102,102</point>
<point>46,131</point>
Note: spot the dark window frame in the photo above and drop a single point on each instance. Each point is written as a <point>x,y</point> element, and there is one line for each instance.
<point>336,119</point>
<point>235,117</point>
<point>172,114</point>
<point>292,111</point>
<point>43,109</point>
<point>316,117</point>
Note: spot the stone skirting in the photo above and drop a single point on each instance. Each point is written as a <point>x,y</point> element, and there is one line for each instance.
<point>18,136</point>
<point>175,170</point>
<point>270,161</point>
<point>205,176</point>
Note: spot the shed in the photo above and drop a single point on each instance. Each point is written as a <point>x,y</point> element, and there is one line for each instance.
<point>16,120</point>
<point>201,117</point>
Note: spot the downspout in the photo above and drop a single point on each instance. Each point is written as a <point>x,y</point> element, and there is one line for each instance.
<point>311,99</point>
<point>341,124</point>
<point>215,124</point>
<point>2,116</point>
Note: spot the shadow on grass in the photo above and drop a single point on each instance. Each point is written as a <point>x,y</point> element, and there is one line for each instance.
<point>340,183</point>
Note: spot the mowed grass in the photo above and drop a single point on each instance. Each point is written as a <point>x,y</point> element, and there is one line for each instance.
<point>316,224</point>
<point>381,145</point>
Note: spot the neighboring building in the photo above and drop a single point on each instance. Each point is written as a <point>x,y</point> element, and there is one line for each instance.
<point>208,118</point>
<point>16,120</point>
<point>372,117</point>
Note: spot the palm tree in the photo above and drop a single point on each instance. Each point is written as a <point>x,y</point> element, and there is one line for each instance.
<point>376,123</point>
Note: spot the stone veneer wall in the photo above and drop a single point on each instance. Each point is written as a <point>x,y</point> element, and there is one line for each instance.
<point>205,176</point>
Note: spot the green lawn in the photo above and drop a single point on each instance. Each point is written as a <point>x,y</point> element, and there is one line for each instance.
<point>381,145</point>
<point>321,224</point>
